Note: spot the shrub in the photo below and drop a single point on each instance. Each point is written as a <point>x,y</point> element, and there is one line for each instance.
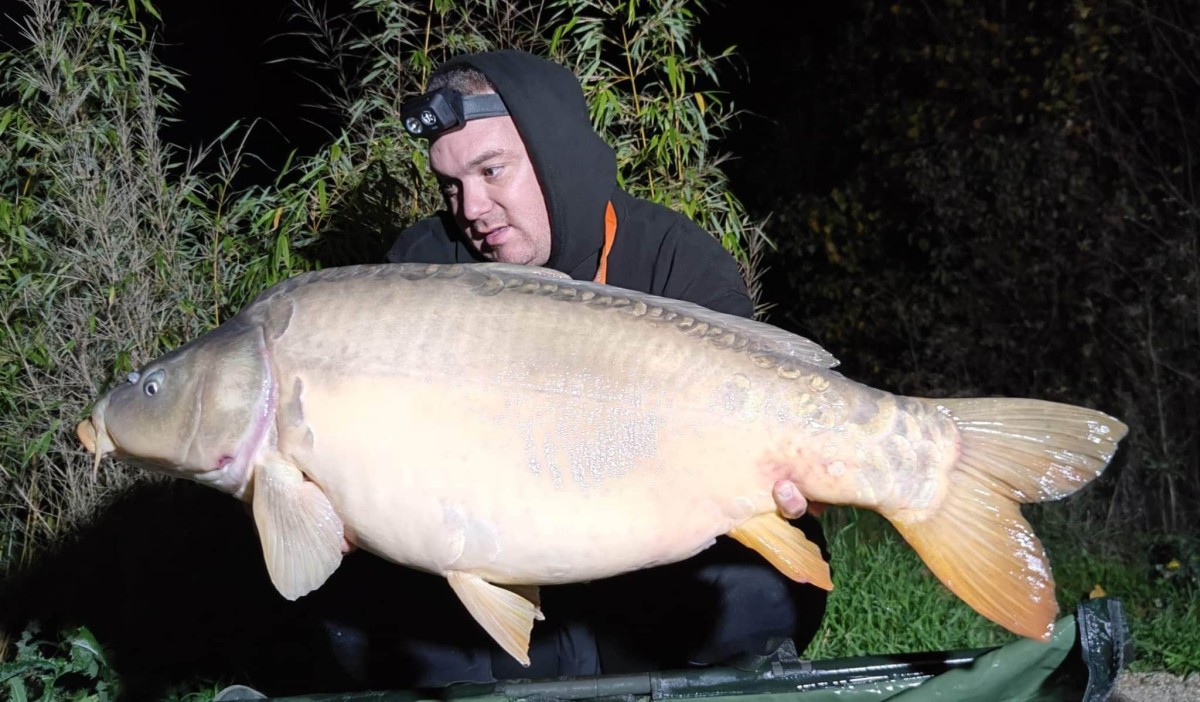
<point>114,247</point>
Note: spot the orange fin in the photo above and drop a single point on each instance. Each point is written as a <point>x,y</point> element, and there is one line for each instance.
<point>1033,450</point>
<point>977,542</point>
<point>981,548</point>
<point>786,548</point>
<point>506,616</point>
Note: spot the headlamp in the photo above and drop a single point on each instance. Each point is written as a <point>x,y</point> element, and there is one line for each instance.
<point>445,109</point>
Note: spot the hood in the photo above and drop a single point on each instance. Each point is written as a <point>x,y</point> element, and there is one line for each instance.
<point>576,168</point>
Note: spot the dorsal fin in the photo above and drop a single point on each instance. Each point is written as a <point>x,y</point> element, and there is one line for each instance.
<point>517,269</point>
<point>492,278</point>
<point>767,337</point>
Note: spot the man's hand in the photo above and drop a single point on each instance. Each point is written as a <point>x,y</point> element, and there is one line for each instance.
<point>791,503</point>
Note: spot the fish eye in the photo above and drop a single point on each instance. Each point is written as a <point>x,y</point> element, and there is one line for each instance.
<point>153,382</point>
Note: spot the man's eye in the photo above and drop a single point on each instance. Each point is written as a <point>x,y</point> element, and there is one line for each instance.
<point>492,171</point>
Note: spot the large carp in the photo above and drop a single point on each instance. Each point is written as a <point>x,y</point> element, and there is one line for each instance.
<point>506,427</point>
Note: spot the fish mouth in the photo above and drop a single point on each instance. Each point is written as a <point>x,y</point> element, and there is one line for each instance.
<point>86,431</point>
<point>95,438</point>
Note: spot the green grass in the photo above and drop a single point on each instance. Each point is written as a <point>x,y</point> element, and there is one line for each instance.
<point>1161,600</point>
<point>886,601</point>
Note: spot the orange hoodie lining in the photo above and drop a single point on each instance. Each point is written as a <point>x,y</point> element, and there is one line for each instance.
<point>610,233</point>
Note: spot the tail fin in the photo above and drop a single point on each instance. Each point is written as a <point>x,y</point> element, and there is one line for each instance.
<point>977,543</point>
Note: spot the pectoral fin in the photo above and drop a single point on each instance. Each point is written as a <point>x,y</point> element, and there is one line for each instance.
<point>503,614</point>
<point>785,547</point>
<point>302,536</point>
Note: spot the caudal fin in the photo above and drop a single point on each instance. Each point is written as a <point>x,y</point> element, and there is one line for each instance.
<point>977,543</point>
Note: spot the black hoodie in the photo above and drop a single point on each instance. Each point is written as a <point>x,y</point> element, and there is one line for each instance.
<point>656,250</point>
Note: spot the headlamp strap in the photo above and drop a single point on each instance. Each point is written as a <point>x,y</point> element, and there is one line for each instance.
<point>485,105</point>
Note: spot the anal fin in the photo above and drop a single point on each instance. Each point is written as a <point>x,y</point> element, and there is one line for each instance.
<point>506,616</point>
<point>301,534</point>
<point>785,547</point>
<point>531,593</point>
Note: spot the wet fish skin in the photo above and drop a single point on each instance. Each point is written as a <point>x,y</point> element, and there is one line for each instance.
<point>504,426</point>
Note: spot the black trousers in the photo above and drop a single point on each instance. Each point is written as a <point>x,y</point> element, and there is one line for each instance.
<point>390,627</point>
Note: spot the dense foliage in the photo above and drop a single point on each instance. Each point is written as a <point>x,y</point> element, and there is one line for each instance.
<point>113,248</point>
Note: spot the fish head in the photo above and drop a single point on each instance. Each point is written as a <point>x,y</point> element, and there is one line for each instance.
<point>199,412</point>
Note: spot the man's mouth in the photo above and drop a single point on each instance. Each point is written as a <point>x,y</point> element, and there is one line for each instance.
<point>496,236</point>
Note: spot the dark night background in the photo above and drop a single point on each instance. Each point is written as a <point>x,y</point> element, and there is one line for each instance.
<point>227,50</point>
<point>964,204</point>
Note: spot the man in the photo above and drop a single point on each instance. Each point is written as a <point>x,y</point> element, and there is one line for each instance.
<point>527,181</point>
<point>511,180</point>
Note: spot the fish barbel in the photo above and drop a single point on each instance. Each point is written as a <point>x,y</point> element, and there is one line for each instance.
<point>507,428</point>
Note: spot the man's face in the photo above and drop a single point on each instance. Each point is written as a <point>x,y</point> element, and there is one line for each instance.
<point>491,188</point>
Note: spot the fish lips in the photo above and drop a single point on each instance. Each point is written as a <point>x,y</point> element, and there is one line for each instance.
<point>86,431</point>
<point>94,436</point>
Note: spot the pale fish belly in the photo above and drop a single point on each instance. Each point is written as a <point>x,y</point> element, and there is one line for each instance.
<point>517,486</point>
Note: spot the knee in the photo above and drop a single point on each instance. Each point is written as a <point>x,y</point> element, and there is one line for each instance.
<point>752,584</point>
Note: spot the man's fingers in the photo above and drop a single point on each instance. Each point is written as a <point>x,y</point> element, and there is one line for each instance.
<point>789,500</point>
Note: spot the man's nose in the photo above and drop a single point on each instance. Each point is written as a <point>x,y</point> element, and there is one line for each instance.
<point>475,202</point>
